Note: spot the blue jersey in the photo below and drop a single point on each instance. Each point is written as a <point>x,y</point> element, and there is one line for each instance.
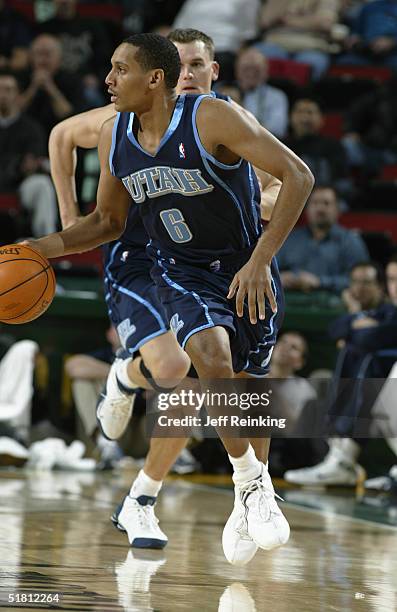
<point>194,207</point>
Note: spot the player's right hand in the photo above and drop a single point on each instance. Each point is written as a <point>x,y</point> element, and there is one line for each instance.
<point>253,280</point>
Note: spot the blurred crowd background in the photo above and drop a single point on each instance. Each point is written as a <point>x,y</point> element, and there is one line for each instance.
<point>321,76</point>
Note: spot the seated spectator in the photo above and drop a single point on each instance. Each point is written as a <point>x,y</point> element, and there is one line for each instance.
<point>371,126</point>
<point>48,93</point>
<point>17,362</point>
<point>88,373</point>
<point>299,30</point>
<point>370,326</point>
<point>325,156</point>
<point>15,37</point>
<point>229,24</point>
<point>288,357</point>
<point>267,103</point>
<point>321,254</point>
<point>292,394</point>
<point>373,38</point>
<point>86,48</point>
<point>22,159</point>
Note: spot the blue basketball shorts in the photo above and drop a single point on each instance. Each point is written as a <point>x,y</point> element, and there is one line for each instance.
<point>132,298</point>
<point>194,298</point>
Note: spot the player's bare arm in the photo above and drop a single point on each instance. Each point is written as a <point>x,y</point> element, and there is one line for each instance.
<point>105,223</point>
<point>228,135</point>
<point>270,186</point>
<point>79,131</point>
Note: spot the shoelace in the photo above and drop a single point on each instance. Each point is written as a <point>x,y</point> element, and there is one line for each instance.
<point>265,493</point>
<point>146,516</point>
<point>119,408</point>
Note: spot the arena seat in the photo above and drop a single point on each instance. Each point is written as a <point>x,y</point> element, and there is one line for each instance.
<point>332,125</point>
<point>9,201</point>
<point>371,222</point>
<point>389,173</point>
<point>288,69</point>
<point>380,74</point>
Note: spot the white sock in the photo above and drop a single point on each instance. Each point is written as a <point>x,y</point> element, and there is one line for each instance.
<point>144,485</point>
<point>122,373</point>
<point>246,467</point>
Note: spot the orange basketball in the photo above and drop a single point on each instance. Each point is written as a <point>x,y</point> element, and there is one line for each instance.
<point>27,284</point>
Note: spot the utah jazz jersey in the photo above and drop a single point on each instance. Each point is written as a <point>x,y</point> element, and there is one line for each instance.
<point>192,206</point>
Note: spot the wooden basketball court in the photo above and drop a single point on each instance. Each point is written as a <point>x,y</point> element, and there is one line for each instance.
<point>56,540</point>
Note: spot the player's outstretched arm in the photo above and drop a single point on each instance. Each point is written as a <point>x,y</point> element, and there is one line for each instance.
<point>105,223</point>
<point>79,131</point>
<point>227,135</point>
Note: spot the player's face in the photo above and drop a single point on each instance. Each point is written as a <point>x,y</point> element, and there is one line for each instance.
<point>198,70</point>
<point>391,279</point>
<point>128,83</point>
<point>322,209</point>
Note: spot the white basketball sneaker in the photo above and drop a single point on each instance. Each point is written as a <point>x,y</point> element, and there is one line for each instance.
<point>136,517</point>
<point>338,468</point>
<point>115,405</point>
<point>256,521</point>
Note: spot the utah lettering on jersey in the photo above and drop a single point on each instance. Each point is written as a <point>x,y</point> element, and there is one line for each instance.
<point>161,180</point>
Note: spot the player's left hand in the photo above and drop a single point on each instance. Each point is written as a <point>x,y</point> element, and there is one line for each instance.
<point>254,280</point>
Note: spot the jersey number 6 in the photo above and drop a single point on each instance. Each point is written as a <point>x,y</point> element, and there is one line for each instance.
<point>175,225</point>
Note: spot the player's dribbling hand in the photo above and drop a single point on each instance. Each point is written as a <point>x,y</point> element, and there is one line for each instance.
<point>253,280</point>
<point>33,244</point>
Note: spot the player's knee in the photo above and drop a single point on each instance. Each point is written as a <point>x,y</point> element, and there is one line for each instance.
<point>215,366</point>
<point>171,369</point>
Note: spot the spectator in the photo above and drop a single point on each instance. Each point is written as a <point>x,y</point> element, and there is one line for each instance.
<point>267,103</point>
<point>373,39</point>
<point>371,126</point>
<point>321,254</point>
<point>141,16</point>
<point>15,37</point>
<point>370,326</point>
<point>22,159</point>
<point>291,396</point>
<point>49,94</point>
<point>325,156</point>
<point>364,293</point>
<point>299,30</point>
<point>88,373</point>
<point>288,357</point>
<point>16,393</point>
<point>86,48</point>
<point>229,23</point>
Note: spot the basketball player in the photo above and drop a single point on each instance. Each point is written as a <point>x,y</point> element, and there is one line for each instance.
<point>127,276</point>
<point>182,160</point>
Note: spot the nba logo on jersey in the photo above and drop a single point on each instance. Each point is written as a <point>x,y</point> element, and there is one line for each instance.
<point>182,153</point>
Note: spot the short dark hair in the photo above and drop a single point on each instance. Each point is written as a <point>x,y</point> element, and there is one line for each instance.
<point>320,186</point>
<point>5,72</point>
<point>155,51</point>
<point>309,98</point>
<point>380,273</point>
<point>188,35</point>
